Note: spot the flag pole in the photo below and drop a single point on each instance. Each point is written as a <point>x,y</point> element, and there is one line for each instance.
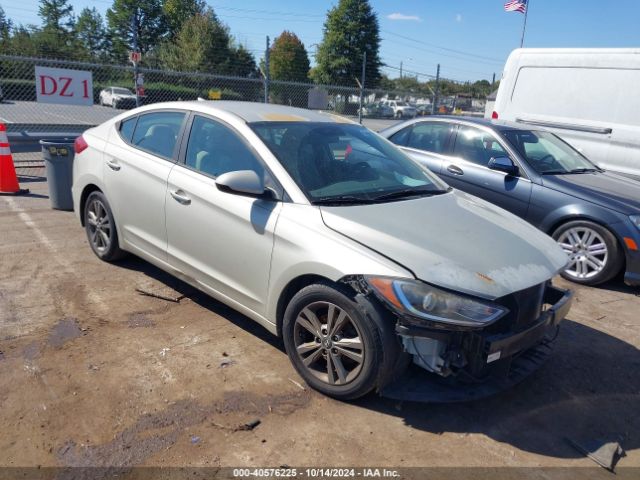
<point>524,25</point>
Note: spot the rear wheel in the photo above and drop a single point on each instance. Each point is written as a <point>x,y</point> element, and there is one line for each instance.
<point>334,346</point>
<point>594,253</point>
<point>101,228</point>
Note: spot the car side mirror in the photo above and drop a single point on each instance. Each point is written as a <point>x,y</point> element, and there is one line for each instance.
<point>503,164</point>
<point>243,182</point>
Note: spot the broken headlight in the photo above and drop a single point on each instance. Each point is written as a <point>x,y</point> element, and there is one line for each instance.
<point>424,301</point>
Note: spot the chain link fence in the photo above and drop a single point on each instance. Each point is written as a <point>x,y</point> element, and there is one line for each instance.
<point>22,113</point>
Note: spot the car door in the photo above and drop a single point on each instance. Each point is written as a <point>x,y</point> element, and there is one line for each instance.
<point>468,170</point>
<point>426,142</point>
<point>220,239</point>
<point>138,160</point>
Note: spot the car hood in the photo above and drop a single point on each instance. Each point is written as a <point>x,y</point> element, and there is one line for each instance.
<point>608,189</point>
<point>455,241</point>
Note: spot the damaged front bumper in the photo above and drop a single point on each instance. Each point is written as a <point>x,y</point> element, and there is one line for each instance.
<point>465,365</point>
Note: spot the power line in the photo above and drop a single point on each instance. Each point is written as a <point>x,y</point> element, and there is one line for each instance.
<point>460,52</point>
<point>268,12</point>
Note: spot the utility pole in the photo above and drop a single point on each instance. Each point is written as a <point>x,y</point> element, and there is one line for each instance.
<point>364,65</point>
<point>493,82</point>
<point>400,68</point>
<point>524,25</point>
<point>134,26</point>
<point>435,95</point>
<point>267,75</point>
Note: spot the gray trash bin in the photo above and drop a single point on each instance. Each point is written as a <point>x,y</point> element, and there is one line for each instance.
<point>58,162</point>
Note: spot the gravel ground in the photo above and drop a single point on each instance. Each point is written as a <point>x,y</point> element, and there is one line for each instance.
<point>94,374</point>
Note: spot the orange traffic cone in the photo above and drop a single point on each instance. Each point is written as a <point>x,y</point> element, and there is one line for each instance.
<point>8,178</point>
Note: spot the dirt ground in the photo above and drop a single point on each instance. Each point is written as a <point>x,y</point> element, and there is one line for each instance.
<point>94,374</point>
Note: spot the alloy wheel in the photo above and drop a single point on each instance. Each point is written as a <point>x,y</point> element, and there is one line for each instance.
<point>329,343</point>
<point>587,250</point>
<point>99,226</point>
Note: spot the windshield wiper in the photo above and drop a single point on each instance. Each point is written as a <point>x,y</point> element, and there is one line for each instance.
<point>584,170</point>
<point>409,192</point>
<point>341,200</point>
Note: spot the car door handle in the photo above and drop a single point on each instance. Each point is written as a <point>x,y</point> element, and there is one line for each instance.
<point>113,165</point>
<point>180,197</point>
<point>456,170</point>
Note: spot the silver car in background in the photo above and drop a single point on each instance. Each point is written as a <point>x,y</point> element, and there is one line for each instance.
<point>327,235</point>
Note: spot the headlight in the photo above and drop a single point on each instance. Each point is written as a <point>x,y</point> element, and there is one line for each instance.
<point>423,301</point>
<point>635,219</point>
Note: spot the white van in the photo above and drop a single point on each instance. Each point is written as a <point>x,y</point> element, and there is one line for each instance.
<point>589,97</point>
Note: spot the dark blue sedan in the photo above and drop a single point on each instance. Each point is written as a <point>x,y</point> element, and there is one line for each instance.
<point>593,214</point>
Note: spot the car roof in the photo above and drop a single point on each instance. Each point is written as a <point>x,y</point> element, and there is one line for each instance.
<point>252,112</point>
<point>499,125</point>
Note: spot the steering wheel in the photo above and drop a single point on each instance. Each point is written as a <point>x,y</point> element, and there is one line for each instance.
<point>363,171</point>
<point>547,161</point>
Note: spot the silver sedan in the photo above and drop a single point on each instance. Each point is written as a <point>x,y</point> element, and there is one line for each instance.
<point>326,234</point>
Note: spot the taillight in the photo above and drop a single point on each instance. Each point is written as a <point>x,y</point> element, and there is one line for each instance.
<point>494,115</point>
<point>80,144</point>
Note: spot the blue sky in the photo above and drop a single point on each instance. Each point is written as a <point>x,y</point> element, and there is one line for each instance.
<point>469,38</point>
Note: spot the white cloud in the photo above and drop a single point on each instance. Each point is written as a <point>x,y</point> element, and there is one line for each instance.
<point>402,16</point>
<point>459,18</point>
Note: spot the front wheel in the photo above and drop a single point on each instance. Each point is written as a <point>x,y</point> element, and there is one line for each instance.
<point>101,228</point>
<point>594,253</point>
<point>334,346</point>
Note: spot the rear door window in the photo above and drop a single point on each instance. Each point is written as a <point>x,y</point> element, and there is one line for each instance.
<point>158,132</point>
<point>430,136</point>
<point>401,137</point>
<point>126,128</point>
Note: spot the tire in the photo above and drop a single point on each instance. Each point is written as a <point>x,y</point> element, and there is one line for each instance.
<point>349,379</point>
<point>101,228</point>
<point>595,254</point>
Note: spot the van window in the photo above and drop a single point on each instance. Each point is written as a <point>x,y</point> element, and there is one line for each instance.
<point>596,94</point>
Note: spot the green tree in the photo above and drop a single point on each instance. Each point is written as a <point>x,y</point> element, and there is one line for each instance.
<point>288,59</point>
<point>22,42</point>
<point>204,44</point>
<point>91,33</point>
<point>56,15</point>
<point>177,12</point>
<point>5,28</point>
<point>56,37</point>
<point>242,62</point>
<point>128,19</point>
<point>350,30</point>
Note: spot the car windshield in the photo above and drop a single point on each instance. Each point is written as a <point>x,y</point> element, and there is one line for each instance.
<point>401,104</point>
<point>344,163</point>
<point>122,91</point>
<point>547,154</point>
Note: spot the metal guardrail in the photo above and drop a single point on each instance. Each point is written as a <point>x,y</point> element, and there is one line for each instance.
<point>25,138</point>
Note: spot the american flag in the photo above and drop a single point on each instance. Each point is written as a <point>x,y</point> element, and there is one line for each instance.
<point>516,6</point>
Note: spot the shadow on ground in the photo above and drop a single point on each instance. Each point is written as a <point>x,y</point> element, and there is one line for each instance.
<point>588,390</point>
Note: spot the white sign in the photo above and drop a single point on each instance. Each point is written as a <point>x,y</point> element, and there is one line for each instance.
<point>60,85</point>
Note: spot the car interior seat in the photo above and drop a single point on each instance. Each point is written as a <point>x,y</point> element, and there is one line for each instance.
<point>471,149</point>
<point>159,138</point>
<point>314,158</point>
